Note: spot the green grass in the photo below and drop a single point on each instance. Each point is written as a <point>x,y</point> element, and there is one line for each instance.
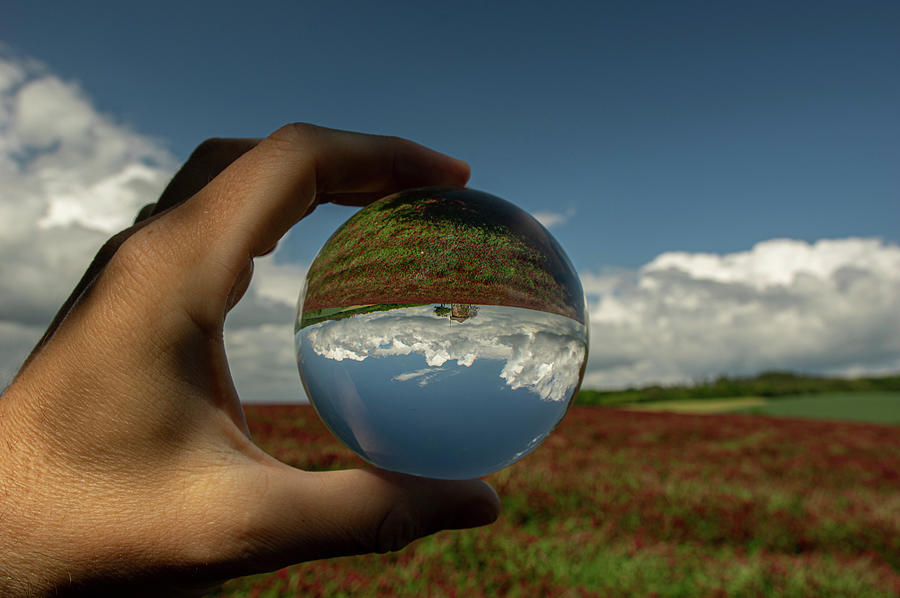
<point>876,407</point>
<point>767,384</point>
<point>729,405</point>
<point>315,316</point>
<point>880,407</point>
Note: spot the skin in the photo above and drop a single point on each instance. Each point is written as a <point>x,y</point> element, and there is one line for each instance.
<point>125,460</point>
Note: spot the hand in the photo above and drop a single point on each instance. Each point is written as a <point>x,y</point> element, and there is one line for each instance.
<point>125,460</point>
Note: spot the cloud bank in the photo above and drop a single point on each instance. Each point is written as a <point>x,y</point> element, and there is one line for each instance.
<point>830,307</point>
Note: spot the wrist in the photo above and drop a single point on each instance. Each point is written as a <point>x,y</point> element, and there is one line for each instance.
<point>67,529</point>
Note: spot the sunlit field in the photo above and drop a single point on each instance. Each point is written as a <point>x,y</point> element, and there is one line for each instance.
<point>872,406</point>
<point>621,502</point>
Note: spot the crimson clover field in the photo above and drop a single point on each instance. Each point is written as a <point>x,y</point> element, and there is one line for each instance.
<point>629,503</point>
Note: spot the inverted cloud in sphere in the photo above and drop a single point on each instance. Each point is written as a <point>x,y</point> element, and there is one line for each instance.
<point>542,352</point>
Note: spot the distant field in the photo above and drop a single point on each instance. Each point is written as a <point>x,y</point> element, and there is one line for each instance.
<point>766,385</point>
<point>625,503</point>
<point>874,407</point>
<point>877,407</point>
<point>699,406</point>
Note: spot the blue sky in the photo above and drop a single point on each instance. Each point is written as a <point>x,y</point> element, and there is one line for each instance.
<point>640,131</point>
<point>697,126</point>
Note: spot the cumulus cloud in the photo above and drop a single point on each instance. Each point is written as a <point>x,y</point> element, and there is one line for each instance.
<point>552,219</point>
<point>259,334</point>
<point>424,376</point>
<point>542,352</point>
<point>70,176</point>
<point>830,307</point>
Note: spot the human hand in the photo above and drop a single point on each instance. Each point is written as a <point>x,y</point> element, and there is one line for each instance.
<point>125,460</point>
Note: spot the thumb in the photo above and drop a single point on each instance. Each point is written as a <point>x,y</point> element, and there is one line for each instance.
<point>312,515</point>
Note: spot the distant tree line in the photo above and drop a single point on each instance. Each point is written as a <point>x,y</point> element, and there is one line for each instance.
<point>767,384</point>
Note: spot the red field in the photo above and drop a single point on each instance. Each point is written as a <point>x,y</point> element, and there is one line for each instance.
<point>648,504</point>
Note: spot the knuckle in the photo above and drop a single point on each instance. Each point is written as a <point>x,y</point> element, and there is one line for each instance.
<point>127,248</point>
<point>295,134</point>
<point>130,249</point>
<point>145,212</point>
<point>126,274</point>
<point>207,149</point>
<point>112,245</point>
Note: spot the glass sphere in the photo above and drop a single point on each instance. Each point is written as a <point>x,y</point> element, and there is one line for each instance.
<point>441,332</point>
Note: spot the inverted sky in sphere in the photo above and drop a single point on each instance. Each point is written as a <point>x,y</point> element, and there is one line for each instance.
<point>413,390</point>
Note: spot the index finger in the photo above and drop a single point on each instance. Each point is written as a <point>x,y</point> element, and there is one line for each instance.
<point>268,189</point>
<point>245,210</point>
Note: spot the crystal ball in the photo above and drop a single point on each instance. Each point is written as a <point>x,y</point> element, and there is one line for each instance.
<point>441,332</point>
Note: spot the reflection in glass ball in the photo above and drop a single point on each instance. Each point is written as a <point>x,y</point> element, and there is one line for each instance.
<point>441,332</point>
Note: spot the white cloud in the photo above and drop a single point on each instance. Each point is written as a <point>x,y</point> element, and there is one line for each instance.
<point>426,376</point>
<point>262,363</point>
<point>66,164</point>
<point>69,177</point>
<point>423,373</point>
<point>830,307</point>
<point>259,333</point>
<point>551,219</point>
<point>542,352</point>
